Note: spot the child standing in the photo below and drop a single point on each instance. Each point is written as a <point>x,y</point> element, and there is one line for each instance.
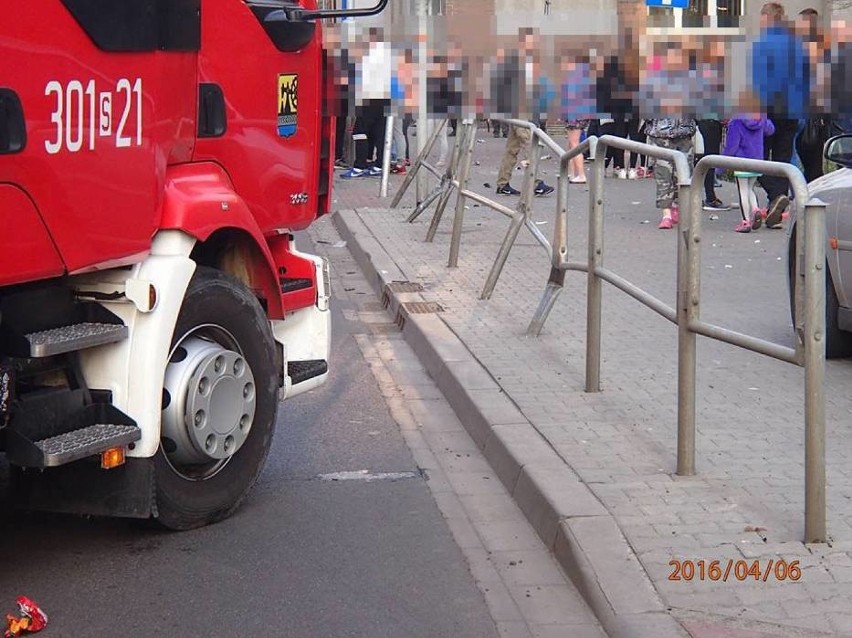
<point>745,139</point>
<point>676,134</point>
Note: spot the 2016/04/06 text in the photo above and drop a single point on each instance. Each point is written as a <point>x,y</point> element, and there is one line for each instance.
<point>734,569</point>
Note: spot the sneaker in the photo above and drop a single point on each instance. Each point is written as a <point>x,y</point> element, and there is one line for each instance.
<point>374,171</point>
<point>577,180</point>
<point>506,189</point>
<point>407,162</point>
<point>666,223</point>
<point>632,173</point>
<point>675,213</point>
<point>355,172</point>
<point>756,219</point>
<point>398,169</point>
<point>340,163</point>
<point>715,204</point>
<point>542,189</point>
<point>776,209</point>
<point>620,173</point>
<point>743,227</point>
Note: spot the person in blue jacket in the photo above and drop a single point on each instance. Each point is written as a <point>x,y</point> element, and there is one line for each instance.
<point>780,74</point>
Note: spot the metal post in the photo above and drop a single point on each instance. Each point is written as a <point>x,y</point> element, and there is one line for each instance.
<point>594,289</point>
<point>415,173</point>
<point>815,266</point>
<point>422,104</point>
<point>524,208</point>
<point>386,155</point>
<point>458,217</point>
<point>688,296</point>
<point>449,177</point>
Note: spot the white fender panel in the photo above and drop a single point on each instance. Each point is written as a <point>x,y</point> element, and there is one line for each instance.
<point>305,335</point>
<point>133,370</point>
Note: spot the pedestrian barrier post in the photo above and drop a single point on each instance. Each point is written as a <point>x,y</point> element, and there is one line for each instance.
<point>419,163</point>
<point>462,151</point>
<point>386,155</point>
<point>809,319</point>
<point>809,316</point>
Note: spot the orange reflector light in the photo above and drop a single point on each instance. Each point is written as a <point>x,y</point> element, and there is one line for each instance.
<point>833,243</point>
<point>112,458</point>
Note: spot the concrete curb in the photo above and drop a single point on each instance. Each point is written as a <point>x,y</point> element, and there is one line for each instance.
<point>567,516</point>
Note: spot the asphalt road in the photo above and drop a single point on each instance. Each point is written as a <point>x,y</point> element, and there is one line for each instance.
<point>302,557</point>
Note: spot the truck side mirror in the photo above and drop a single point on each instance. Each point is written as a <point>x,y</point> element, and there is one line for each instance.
<point>296,13</point>
<point>839,150</point>
<point>287,32</point>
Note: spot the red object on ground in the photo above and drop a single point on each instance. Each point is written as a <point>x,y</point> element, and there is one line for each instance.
<point>32,619</point>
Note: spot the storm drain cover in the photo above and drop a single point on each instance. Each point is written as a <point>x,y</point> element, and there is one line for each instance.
<point>422,307</point>
<point>405,286</point>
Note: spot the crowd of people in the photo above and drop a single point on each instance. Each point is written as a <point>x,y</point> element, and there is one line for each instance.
<point>670,92</point>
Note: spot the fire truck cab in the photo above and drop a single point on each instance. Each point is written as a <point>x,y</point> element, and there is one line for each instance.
<point>155,159</point>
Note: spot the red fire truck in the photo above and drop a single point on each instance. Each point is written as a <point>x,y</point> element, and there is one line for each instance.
<point>156,157</point>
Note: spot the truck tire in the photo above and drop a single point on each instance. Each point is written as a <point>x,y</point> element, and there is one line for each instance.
<point>220,399</point>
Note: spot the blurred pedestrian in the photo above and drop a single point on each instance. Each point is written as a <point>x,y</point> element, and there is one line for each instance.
<point>816,128</point>
<point>372,103</point>
<point>516,99</point>
<point>744,139</point>
<point>675,134</point>
<point>577,104</point>
<point>780,75</point>
<point>841,77</point>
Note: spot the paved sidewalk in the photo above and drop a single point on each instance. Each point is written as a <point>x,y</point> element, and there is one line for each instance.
<point>595,472</point>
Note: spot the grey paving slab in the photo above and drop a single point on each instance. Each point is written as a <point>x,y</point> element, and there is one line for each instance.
<point>622,442</point>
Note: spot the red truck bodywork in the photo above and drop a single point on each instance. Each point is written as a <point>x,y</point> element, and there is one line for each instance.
<point>90,189</point>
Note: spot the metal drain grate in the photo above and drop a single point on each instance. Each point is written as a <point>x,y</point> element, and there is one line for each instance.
<point>405,286</point>
<point>421,307</point>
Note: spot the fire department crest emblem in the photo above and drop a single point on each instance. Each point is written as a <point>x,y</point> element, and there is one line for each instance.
<point>288,103</point>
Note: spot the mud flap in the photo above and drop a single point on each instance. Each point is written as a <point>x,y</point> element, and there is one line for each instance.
<point>86,489</point>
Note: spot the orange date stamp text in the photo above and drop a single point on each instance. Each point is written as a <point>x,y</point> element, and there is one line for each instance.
<point>733,569</point>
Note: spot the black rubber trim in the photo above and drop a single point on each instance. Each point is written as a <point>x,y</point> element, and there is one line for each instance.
<point>139,25</point>
<point>212,117</point>
<point>13,129</point>
<point>292,285</point>
<point>300,371</point>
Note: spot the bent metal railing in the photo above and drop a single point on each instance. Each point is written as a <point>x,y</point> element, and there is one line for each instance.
<point>810,315</point>
<point>456,178</point>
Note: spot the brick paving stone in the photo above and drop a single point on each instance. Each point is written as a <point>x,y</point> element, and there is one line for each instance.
<point>622,441</point>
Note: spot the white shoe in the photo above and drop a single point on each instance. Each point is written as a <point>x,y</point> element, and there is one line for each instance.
<point>620,173</point>
<point>632,174</point>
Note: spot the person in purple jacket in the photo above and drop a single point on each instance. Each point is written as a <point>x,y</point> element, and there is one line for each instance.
<point>745,139</point>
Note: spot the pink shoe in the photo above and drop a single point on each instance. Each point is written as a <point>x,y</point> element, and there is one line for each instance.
<point>675,214</point>
<point>666,223</point>
<point>743,227</point>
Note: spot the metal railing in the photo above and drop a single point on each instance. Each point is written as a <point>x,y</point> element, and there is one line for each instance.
<point>810,315</point>
<point>457,178</point>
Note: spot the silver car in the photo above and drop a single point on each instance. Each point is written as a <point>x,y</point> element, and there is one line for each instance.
<point>835,189</point>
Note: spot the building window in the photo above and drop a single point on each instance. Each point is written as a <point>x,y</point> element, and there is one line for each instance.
<point>437,7</point>
<point>700,14</point>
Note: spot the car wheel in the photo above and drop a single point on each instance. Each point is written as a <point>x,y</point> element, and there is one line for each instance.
<point>220,398</point>
<point>838,343</point>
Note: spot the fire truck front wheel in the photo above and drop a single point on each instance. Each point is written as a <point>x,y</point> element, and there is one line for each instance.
<point>220,397</point>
